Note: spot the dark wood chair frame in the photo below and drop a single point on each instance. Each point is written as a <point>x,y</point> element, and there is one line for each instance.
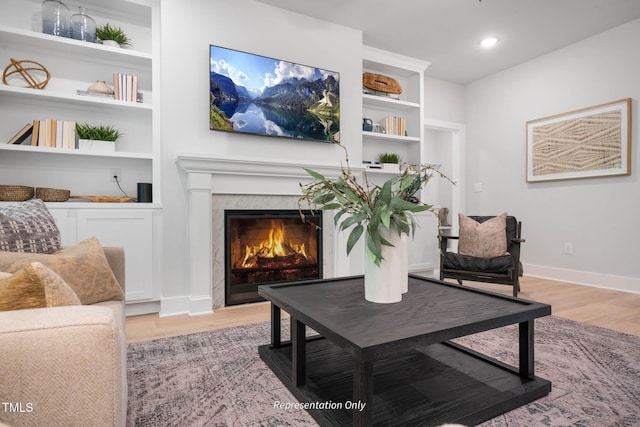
<point>511,277</point>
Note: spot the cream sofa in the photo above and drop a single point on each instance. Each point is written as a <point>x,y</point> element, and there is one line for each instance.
<point>65,366</point>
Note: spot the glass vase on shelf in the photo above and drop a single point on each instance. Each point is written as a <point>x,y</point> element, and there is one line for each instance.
<point>56,18</point>
<point>83,27</point>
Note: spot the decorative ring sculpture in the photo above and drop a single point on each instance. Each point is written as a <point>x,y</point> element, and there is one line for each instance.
<point>16,67</point>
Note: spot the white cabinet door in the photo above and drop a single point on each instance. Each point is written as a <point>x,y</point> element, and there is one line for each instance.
<point>66,222</point>
<point>131,229</point>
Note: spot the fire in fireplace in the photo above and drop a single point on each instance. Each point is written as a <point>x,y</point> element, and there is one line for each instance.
<point>269,246</point>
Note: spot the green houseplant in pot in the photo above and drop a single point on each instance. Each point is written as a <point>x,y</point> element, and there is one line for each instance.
<point>389,161</point>
<point>96,138</point>
<point>383,214</point>
<point>112,36</point>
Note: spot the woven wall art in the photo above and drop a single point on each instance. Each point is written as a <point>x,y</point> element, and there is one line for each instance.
<point>589,142</point>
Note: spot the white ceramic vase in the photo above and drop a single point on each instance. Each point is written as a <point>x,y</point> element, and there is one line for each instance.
<point>386,283</point>
<point>393,167</point>
<point>96,145</point>
<point>110,43</point>
<point>404,276</point>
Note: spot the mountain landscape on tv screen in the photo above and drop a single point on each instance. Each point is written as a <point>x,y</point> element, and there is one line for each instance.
<point>291,106</point>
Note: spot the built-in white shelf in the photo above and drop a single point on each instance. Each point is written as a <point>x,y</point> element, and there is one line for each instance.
<point>84,204</point>
<point>377,171</point>
<point>389,137</point>
<point>389,103</point>
<point>21,93</point>
<point>66,46</point>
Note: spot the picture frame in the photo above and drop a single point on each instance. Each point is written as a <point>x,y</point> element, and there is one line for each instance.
<point>259,95</point>
<point>585,143</point>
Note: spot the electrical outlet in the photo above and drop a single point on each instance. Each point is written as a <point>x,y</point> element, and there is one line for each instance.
<point>568,248</point>
<point>113,173</point>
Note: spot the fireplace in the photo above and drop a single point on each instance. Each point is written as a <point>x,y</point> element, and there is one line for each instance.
<point>269,246</point>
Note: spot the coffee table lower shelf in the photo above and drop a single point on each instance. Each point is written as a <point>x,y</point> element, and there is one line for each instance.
<point>432,385</point>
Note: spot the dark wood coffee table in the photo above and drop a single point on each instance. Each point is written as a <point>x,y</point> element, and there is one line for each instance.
<point>393,364</point>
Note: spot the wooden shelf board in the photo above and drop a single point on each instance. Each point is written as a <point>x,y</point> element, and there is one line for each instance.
<point>424,386</point>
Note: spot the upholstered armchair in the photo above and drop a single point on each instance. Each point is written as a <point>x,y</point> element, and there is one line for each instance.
<point>488,251</point>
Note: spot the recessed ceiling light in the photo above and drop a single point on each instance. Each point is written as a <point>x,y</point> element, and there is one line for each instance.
<point>489,42</point>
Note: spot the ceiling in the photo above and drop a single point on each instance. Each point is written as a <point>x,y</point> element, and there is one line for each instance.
<point>447,32</point>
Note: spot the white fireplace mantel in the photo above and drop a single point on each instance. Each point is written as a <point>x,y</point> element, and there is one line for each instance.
<point>244,175</point>
<point>209,175</point>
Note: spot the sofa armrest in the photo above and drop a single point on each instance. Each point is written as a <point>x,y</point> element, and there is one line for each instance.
<point>65,366</point>
<point>115,257</point>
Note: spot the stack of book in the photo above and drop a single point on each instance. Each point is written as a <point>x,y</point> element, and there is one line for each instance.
<point>396,125</point>
<point>125,87</point>
<point>50,133</point>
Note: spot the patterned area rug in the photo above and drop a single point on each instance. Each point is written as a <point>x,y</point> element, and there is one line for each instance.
<point>216,378</point>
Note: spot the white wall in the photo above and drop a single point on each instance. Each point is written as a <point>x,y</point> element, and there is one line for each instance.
<point>443,100</point>
<point>597,215</point>
<point>188,28</point>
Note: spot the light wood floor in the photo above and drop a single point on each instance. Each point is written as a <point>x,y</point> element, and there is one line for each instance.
<point>615,310</point>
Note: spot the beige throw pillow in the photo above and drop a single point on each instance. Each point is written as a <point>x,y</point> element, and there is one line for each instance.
<point>483,240</point>
<point>83,266</point>
<point>35,286</point>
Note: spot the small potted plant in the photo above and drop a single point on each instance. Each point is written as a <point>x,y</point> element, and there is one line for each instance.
<point>389,161</point>
<point>112,36</point>
<point>96,138</point>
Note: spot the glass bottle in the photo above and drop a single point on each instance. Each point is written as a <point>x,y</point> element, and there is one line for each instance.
<point>83,27</point>
<point>55,18</point>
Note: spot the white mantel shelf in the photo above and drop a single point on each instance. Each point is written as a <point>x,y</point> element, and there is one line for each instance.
<point>238,175</point>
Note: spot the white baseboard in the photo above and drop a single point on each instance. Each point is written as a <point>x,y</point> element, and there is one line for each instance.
<point>598,280</point>
<point>139,308</point>
<point>200,305</point>
<point>185,304</point>
<point>173,306</point>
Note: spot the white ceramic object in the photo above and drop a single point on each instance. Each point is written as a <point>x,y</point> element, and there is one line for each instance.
<point>100,86</point>
<point>404,276</point>
<point>110,43</point>
<point>386,283</point>
<point>96,145</point>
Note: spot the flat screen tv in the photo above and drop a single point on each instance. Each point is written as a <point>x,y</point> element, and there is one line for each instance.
<point>257,95</point>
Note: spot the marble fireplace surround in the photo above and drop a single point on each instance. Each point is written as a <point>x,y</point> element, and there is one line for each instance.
<point>214,184</point>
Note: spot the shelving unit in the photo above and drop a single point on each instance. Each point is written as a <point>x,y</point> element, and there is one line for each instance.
<point>409,72</point>
<point>75,65</point>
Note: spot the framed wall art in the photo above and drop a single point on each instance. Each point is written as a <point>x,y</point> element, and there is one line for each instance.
<point>590,142</point>
<point>258,95</point>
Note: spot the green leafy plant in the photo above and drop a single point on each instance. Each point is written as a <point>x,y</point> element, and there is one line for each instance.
<point>107,32</point>
<point>369,207</point>
<point>100,133</point>
<point>388,158</point>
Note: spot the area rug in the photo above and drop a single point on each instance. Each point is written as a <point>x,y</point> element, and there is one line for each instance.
<point>216,378</point>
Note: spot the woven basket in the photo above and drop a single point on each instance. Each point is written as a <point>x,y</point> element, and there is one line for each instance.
<point>381,83</point>
<point>52,194</point>
<point>15,193</point>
